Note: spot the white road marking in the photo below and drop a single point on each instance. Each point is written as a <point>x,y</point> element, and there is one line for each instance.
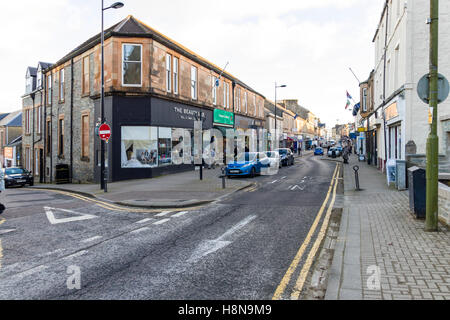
<point>274,182</point>
<point>297,187</point>
<point>7,231</point>
<point>53,220</point>
<point>179,214</point>
<point>32,271</point>
<point>210,246</point>
<point>283,178</point>
<point>140,230</point>
<point>162,214</point>
<point>91,239</point>
<point>75,255</point>
<point>161,221</point>
<point>144,221</point>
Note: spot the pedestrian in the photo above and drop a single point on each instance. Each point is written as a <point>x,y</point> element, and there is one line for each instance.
<point>345,155</point>
<point>2,187</point>
<point>300,151</point>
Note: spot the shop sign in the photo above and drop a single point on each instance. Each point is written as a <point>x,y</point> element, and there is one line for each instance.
<point>223,117</point>
<point>391,112</point>
<point>8,152</point>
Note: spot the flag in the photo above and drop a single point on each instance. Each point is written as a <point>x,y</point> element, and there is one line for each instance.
<point>296,116</point>
<point>349,97</point>
<point>348,104</point>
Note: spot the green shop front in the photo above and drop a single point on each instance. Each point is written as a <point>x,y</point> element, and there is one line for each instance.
<point>223,121</point>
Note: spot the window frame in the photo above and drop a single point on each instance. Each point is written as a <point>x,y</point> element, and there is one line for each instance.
<point>48,136</point>
<point>168,72</point>
<point>214,90</point>
<point>61,85</point>
<point>49,89</point>
<point>175,67</point>
<point>85,149</point>
<point>141,62</point>
<point>194,84</point>
<point>61,134</point>
<point>83,74</point>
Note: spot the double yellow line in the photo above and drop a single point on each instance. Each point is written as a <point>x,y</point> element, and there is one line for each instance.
<point>294,265</point>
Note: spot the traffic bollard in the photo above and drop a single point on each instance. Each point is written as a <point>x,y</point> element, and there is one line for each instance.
<point>356,169</point>
<point>223,178</point>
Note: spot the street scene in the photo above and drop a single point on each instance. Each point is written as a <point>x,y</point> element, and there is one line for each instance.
<point>199,163</point>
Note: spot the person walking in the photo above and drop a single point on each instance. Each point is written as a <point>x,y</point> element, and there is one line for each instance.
<point>2,187</point>
<point>345,155</point>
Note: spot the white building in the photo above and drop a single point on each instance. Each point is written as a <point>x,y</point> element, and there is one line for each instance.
<point>404,30</point>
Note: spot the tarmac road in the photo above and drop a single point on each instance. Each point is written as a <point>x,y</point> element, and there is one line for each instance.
<point>243,247</point>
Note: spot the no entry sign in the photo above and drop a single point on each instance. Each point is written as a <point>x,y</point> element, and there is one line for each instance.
<point>104,132</point>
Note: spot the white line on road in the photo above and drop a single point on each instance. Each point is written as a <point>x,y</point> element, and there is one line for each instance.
<point>91,239</point>
<point>32,271</point>
<point>7,231</point>
<point>274,182</point>
<point>140,230</point>
<point>75,255</point>
<point>180,214</point>
<point>79,216</point>
<point>283,178</point>
<point>144,220</point>
<point>161,221</point>
<point>162,214</point>
<point>210,246</point>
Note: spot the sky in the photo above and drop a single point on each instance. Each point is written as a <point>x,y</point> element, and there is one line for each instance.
<point>307,45</point>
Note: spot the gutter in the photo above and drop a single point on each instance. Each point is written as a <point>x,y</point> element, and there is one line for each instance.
<point>71,119</point>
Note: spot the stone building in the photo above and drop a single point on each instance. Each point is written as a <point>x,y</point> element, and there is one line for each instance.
<point>154,87</point>
<point>399,118</point>
<point>10,130</point>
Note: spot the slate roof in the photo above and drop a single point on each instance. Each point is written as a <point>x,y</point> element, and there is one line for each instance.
<point>13,119</point>
<point>17,141</point>
<point>132,27</point>
<point>3,115</point>
<point>33,71</point>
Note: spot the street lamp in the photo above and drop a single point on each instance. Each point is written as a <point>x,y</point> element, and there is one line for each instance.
<point>103,176</point>
<point>276,87</point>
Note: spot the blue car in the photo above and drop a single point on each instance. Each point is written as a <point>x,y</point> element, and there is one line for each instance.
<point>318,152</point>
<point>250,165</point>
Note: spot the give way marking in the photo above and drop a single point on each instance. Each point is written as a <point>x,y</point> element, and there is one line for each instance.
<point>79,216</point>
<point>210,246</point>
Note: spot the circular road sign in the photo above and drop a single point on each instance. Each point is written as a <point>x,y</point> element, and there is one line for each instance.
<point>104,132</point>
<point>423,88</point>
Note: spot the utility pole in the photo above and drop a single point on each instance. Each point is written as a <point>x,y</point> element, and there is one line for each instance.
<point>433,139</point>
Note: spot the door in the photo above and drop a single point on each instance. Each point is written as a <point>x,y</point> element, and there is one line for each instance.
<point>41,165</point>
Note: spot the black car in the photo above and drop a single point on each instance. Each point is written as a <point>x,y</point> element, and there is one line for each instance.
<point>18,177</point>
<point>286,157</point>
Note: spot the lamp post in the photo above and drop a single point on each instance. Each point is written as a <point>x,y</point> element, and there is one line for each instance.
<point>103,176</point>
<point>276,87</point>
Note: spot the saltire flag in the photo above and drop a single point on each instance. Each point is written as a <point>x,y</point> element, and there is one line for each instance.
<point>296,116</point>
<point>348,104</point>
<point>349,97</point>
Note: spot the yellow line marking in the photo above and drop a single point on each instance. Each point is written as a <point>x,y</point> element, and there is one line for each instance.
<point>287,277</point>
<point>309,261</point>
<point>114,207</point>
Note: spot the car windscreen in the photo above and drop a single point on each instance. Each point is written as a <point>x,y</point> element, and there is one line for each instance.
<point>14,171</point>
<point>271,154</point>
<point>282,151</point>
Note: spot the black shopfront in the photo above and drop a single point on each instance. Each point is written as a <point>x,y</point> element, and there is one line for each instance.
<point>145,130</point>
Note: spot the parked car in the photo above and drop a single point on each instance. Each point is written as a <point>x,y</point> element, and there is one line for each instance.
<point>286,156</point>
<point>250,165</point>
<point>274,158</point>
<point>318,152</point>
<point>18,177</point>
<point>330,152</point>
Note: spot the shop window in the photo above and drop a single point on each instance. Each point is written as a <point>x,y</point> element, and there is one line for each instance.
<point>165,146</point>
<point>139,147</point>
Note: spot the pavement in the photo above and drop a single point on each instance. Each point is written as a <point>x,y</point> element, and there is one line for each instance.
<point>181,190</point>
<point>382,252</point>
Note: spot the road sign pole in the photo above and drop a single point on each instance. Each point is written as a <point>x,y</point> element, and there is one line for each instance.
<point>433,139</point>
<point>105,173</point>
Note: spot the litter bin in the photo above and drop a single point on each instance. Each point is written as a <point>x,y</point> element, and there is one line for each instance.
<point>62,174</point>
<point>417,192</point>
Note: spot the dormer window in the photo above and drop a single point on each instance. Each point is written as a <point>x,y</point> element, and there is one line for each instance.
<point>28,83</point>
<point>39,78</point>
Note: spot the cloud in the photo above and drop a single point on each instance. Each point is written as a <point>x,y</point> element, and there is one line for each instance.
<point>307,45</point>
